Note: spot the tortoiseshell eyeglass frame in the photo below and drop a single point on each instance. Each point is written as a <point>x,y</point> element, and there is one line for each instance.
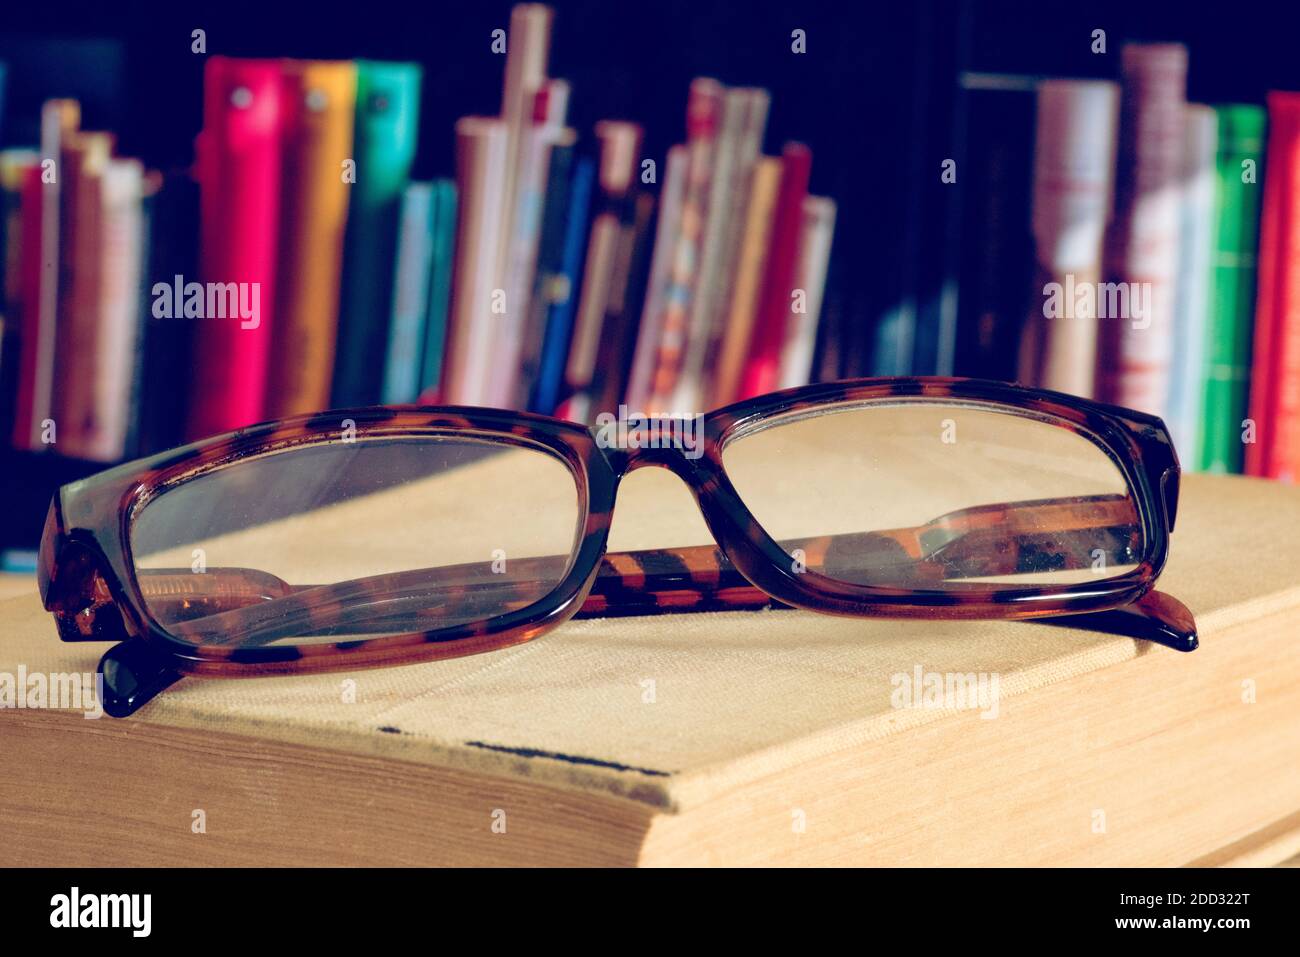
<point>89,581</point>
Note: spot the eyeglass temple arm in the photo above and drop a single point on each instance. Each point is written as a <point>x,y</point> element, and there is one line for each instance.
<point>1024,537</point>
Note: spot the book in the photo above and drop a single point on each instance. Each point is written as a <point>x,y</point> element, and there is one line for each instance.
<point>549,282</point>
<point>385,132</point>
<point>237,165</point>
<point>1136,348</point>
<point>703,116</point>
<point>563,291</point>
<point>115,312</point>
<point>760,219</point>
<point>440,270</point>
<point>83,158</point>
<point>406,335</point>
<point>997,262</point>
<point>669,222</point>
<point>59,119</point>
<point>762,365</point>
<point>1275,375</point>
<point>1195,264</point>
<point>319,103</point>
<point>773,737</point>
<point>1073,193</point>
<point>609,253</point>
<point>15,165</point>
<point>816,228</point>
<point>1226,375</point>
<point>475,291</point>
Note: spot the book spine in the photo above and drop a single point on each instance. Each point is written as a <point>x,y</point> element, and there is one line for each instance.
<point>79,340</point>
<point>1192,305</point>
<point>319,101</point>
<point>410,296</point>
<point>136,418</point>
<point>711,274</point>
<point>608,247</point>
<point>32,269</point>
<point>238,168</point>
<point>815,233</point>
<point>118,312</point>
<point>440,272</point>
<point>762,367</point>
<point>385,131</point>
<point>1227,361</point>
<point>480,178</point>
<point>760,219</point>
<point>1275,380</point>
<point>549,278</point>
<point>14,170</point>
<point>670,214</point>
<point>1138,346</point>
<point>1074,156</point>
<point>563,295</point>
<point>508,387</point>
<point>59,118</point>
<point>703,113</point>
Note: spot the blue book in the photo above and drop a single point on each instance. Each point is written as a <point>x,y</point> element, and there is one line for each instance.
<point>559,314</point>
<point>403,366</point>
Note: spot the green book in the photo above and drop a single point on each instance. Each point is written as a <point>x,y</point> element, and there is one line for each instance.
<point>444,247</point>
<point>384,138</point>
<point>1232,313</point>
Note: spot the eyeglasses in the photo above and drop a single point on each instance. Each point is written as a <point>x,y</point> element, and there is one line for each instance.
<point>387,536</point>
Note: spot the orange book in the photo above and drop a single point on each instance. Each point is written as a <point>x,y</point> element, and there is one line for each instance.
<point>319,101</point>
<point>1275,373</point>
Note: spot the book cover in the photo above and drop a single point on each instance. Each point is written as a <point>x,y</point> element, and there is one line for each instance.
<point>763,364</point>
<point>385,132</point>
<point>1275,375</point>
<point>1073,193</point>
<point>816,229</point>
<point>440,272</point>
<point>1195,263</point>
<point>237,165</point>
<point>1137,346</point>
<point>403,365</point>
<point>319,104</point>
<point>1239,176</point>
<point>563,291</point>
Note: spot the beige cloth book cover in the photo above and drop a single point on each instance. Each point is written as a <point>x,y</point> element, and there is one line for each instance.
<point>739,737</point>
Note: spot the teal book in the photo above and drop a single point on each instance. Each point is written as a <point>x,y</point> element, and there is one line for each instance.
<point>440,271</point>
<point>1232,313</point>
<point>402,368</point>
<point>385,133</point>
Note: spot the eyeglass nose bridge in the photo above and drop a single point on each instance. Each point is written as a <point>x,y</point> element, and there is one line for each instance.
<point>671,442</point>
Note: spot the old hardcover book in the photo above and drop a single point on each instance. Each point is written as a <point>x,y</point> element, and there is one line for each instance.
<point>772,737</point>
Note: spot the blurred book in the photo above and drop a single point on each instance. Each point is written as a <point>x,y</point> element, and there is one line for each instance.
<point>1226,375</point>
<point>404,363</point>
<point>385,132</point>
<point>816,229</point>
<point>439,294</point>
<point>1275,377</point>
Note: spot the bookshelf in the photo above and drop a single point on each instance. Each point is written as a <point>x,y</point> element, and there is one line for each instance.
<point>883,97</point>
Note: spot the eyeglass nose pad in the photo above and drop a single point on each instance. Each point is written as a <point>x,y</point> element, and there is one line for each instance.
<point>133,674</point>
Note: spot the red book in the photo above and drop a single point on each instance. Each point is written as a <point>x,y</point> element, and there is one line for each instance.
<point>31,305</point>
<point>237,165</point>
<point>1275,373</point>
<point>763,367</point>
